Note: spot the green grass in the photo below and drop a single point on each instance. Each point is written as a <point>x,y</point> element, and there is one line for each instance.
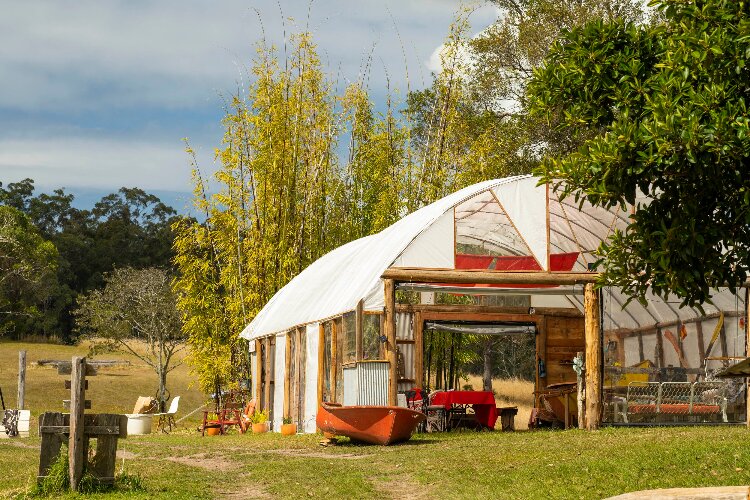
<point>542,464</point>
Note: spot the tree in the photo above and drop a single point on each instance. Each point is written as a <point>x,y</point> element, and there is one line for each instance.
<point>127,228</point>
<point>282,199</point>
<point>666,109</point>
<point>470,124</point>
<point>136,312</point>
<point>27,271</point>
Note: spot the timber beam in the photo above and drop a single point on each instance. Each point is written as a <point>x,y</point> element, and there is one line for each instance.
<point>405,274</point>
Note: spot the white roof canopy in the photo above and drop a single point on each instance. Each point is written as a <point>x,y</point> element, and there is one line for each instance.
<point>502,224</point>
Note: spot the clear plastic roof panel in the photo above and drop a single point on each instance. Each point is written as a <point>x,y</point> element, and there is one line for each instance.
<point>486,238</point>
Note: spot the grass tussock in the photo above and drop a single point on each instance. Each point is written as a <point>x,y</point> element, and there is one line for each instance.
<point>57,482</point>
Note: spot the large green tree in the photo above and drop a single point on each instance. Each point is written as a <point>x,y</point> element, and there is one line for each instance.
<point>665,111</point>
<point>126,228</point>
<point>27,272</point>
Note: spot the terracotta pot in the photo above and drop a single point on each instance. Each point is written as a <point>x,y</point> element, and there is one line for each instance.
<point>260,428</point>
<point>288,429</point>
<point>213,430</point>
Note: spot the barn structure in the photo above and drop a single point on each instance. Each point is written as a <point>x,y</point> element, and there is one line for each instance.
<point>351,327</point>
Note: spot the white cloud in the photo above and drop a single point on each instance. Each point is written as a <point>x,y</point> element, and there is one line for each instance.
<point>98,163</point>
<point>97,94</point>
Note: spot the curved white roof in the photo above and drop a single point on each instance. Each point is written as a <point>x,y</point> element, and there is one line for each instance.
<point>499,224</point>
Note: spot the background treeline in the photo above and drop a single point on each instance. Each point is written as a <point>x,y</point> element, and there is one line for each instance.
<point>52,252</point>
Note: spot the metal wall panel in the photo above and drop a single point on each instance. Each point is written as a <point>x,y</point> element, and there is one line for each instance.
<point>404,330</point>
<point>373,383</point>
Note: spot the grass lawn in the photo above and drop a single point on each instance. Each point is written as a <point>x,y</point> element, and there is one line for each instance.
<point>541,464</point>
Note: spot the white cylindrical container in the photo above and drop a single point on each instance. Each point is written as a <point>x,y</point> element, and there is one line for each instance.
<point>139,424</point>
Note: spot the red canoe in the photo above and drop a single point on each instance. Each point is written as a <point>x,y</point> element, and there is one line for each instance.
<point>381,425</point>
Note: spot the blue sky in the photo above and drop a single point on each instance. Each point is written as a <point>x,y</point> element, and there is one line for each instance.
<point>95,95</point>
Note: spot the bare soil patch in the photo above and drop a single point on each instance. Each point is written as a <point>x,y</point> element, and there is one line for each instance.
<point>207,462</point>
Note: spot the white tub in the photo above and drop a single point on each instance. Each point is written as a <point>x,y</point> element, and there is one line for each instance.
<point>139,424</point>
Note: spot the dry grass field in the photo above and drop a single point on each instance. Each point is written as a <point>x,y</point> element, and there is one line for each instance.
<point>112,390</point>
<point>509,392</point>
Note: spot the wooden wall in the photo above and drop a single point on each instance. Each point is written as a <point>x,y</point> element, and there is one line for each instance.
<point>564,339</point>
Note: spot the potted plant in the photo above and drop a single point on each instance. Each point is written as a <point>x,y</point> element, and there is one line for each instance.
<point>260,421</point>
<point>288,428</point>
<point>212,426</point>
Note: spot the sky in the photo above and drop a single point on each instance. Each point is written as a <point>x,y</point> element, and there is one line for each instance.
<point>96,95</point>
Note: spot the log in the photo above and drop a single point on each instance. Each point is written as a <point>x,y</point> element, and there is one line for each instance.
<point>258,374</point>
<point>580,394</point>
<point>66,369</point>
<point>418,350</point>
<point>389,326</point>
<point>404,274</point>
<point>358,329</point>
<point>334,356</point>
<point>592,331</point>
<point>321,362</point>
<point>21,379</point>
<point>76,446</point>
<point>747,344</point>
<point>287,372</point>
<point>267,380</point>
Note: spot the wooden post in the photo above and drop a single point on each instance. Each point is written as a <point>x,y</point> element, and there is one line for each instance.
<point>334,355</point>
<point>592,330</point>
<point>390,335</point>
<point>359,328</point>
<point>21,378</point>
<point>541,351</point>
<point>581,395</point>
<point>299,374</point>
<point>258,374</point>
<point>76,445</point>
<point>321,362</point>
<point>287,373</point>
<point>267,381</point>
<point>418,350</point>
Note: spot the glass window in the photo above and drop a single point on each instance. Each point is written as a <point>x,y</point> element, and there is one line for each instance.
<point>349,337</point>
<point>371,345</point>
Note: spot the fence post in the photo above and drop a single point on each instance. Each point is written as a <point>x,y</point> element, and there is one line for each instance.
<point>21,379</point>
<point>76,445</point>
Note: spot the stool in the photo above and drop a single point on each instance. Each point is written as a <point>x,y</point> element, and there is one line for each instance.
<point>507,418</point>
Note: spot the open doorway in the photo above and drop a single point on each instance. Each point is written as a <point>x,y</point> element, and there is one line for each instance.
<point>500,357</point>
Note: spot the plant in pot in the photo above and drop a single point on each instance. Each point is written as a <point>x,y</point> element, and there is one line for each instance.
<point>260,421</point>
<point>212,426</point>
<point>288,428</point>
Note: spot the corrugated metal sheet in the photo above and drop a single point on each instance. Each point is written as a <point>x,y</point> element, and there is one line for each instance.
<point>404,330</point>
<point>406,365</point>
<point>373,383</point>
<point>366,384</point>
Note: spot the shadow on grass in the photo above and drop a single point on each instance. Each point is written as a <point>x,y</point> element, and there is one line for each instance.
<point>406,444</point>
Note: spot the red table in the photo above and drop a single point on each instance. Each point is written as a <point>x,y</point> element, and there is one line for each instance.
<point>483,403</point>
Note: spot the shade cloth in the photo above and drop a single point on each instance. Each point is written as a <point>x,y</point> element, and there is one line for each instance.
<point>483,403</point>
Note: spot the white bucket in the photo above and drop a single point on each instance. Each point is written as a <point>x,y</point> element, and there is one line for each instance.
<point>139,424</point>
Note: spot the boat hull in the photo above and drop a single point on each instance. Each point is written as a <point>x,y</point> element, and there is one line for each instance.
<point>382,425</point>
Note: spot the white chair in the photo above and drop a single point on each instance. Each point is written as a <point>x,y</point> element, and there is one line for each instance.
<point>166,420</point>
